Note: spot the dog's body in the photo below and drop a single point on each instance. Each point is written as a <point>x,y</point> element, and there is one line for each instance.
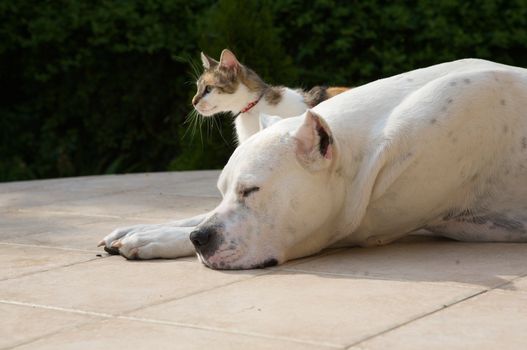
<point>442,148</point>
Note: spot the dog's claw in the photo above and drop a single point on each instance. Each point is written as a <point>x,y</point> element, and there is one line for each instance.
<point>101,243</point>
<point>111,251</point>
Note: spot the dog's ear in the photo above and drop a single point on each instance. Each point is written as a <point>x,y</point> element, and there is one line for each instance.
<point>267,120</point>
<point>208,62</point>
<point>228,60</point>
<point>314,142</point>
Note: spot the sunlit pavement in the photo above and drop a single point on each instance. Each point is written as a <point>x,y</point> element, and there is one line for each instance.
<point>57,290</point>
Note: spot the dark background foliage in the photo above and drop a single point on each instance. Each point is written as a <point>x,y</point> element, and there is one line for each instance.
<point>97,86</point>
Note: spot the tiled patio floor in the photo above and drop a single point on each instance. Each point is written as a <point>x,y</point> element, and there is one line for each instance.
<point>58,291</point>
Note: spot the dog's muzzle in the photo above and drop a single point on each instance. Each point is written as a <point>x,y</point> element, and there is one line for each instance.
<point>205,240</point>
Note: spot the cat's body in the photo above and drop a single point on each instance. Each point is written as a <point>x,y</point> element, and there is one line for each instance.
<point>290,104</point>
<point>229,86</point>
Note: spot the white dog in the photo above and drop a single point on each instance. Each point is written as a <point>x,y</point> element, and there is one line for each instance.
<point>442,148</point>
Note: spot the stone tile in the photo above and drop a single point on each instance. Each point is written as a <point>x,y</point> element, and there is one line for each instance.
<point>127,334</point>
<point>308,307</point>
<point>495,320</point>
<point>133,204</point>
<point>180,208</point>
<point>37,198</point>
<point>16,260</point>
<point>17,186</point>
<point>21,324</point>
<point>171,182</point>
<point>15,226</point>
<point>429,260</point>
<point>115,285</point>
<point>519,285</point>
<point>44,192</point>
<point>199,187</point>
<point>64,231</point>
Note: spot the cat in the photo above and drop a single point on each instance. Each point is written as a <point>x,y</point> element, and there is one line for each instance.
<point>228,86</point>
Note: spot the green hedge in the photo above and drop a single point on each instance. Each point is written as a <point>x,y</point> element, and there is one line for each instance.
<point>95,87</point>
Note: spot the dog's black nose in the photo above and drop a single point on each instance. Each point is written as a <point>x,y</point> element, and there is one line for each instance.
<point>200,237</point>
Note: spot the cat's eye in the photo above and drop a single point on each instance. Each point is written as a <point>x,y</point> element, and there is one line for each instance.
<point>208,89</point>
<point>246,192</point>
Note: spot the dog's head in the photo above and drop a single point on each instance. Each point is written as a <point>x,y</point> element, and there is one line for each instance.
<point>279,191</point>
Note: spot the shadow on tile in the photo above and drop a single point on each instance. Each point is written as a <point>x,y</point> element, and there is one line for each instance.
<point>423,259</point>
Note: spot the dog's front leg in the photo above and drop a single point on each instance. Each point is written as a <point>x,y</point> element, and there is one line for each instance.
<point>164,242</point>
<point>193,221</point>
<point>167,241</point>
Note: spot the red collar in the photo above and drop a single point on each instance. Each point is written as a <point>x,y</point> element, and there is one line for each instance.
<point>249,106</point>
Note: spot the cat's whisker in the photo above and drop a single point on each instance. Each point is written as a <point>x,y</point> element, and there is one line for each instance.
<point>199,126</point>
<point>196,68</point>
<point>217,123</point>
<point>209,127</point>
<point>192,121</point>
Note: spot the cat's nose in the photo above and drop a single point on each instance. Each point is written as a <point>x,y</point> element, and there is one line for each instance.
<point>195,100</point>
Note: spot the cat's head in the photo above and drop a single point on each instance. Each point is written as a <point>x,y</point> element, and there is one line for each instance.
<point>225,85</point>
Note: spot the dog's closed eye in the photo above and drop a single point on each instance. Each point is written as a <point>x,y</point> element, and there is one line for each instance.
<point>246,192</point>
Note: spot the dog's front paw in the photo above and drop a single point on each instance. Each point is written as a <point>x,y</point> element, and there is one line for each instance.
<point>113,242</point>
<point>149,242</point>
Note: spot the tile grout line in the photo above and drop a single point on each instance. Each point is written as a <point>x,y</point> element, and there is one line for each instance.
<point>154,321</point>
<point>470,297</point>
<point>196,292</point>
<point>128,216</point>
<point>234,332</point>
<point>94,196</point>
<point>96,219</point>
<point>57,308</point>
<point>49,247</point>
<point>68,213</point>
<point>53,268</point>
<point>417,318</point>
<point>47,335</point>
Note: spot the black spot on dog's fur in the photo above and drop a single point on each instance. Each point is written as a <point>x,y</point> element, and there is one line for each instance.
<point>505,223</point>
<point>496,220</point>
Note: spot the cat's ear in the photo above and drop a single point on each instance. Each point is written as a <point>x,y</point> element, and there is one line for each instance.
<point>267,120</point>
<point>228,60</point>
<point>314,142</point>
<point>208,62</point>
